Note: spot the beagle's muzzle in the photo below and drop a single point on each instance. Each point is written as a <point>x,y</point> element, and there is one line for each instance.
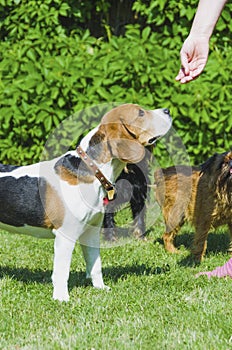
<point>62,198</point>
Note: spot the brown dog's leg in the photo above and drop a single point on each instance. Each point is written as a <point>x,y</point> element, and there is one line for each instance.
<point>168,238</point>
<point>200,240</point>
<point>174,220</point>
<point>230,244</point>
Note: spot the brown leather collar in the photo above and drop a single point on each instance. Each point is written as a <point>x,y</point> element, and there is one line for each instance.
<point>108,186</point>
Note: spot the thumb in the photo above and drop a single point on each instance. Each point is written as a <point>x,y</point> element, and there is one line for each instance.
<point>184,62</point>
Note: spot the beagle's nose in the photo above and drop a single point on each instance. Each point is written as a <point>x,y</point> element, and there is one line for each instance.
<point>166,111</point>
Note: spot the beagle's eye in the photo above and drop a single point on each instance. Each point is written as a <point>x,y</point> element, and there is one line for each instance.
<point>141,113</point>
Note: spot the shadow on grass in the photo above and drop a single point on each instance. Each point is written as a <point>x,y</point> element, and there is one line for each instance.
<point>78,278</point>
<point>184,239</point>
<point>216,242</point>
<point>40,276</point>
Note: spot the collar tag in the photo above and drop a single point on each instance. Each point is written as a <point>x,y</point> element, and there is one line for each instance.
<point>111,194</point>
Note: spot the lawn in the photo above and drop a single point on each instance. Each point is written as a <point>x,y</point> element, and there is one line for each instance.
<point>155,301</point>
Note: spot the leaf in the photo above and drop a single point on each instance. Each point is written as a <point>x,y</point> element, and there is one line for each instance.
<point>48,123</point>
<point>31,54</point>
<point>145,33</point>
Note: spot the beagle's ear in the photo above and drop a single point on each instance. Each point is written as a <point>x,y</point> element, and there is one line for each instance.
<point>129,151</point>
<point>122,142</point>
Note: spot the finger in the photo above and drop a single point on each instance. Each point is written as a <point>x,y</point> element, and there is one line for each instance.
<point>181,74</point>
<point>184,63</point>
<point>186,79</point>
<point>196,72</point>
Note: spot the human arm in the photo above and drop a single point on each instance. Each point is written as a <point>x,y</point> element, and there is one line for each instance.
<point>194,52</point>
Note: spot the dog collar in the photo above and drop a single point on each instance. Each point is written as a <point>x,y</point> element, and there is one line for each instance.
<point>108,186</point>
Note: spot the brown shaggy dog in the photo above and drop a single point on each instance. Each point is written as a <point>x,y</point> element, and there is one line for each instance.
<point>201,196</point>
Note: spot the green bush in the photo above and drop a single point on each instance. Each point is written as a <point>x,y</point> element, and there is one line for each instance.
<point>49,71</point>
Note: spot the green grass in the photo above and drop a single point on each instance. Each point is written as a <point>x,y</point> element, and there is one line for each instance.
<point>149,306</point>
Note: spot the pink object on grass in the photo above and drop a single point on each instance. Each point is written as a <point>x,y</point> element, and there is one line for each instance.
<point>220,271</point>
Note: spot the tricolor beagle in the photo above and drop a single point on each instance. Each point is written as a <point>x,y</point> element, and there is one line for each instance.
<point>63,197</point>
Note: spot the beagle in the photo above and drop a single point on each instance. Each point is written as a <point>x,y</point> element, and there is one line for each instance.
<point>63,197</point>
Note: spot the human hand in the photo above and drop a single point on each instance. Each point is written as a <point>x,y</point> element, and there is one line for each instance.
<point>193,56</point>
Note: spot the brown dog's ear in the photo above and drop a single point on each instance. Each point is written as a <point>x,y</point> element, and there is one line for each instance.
<point>209,163</point>
<point>129,151</point>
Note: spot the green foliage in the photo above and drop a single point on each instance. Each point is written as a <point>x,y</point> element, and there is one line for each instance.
<point>51,68</point>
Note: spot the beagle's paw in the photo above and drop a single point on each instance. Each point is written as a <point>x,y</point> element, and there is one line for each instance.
<point>60,295</point>
<point>103,287</point>
<point>99,284</point>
